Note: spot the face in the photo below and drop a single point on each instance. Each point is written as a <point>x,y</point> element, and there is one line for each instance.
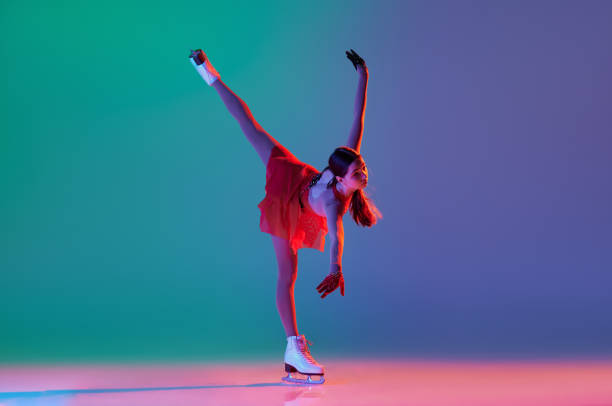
<point>357,175</point>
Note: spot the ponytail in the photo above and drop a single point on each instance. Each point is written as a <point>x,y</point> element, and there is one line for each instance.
<point>363,210</point>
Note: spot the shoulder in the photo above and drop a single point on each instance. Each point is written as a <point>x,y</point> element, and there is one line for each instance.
<point>334,206</point>
<point>326,176</point>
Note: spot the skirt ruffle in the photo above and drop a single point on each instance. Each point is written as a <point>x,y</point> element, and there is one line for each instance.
<point>281,212</point>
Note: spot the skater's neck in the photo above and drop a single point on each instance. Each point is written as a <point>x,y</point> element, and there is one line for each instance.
<point>344,191</point>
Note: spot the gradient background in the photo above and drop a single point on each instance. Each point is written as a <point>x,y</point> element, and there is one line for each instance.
<point>129,226</point>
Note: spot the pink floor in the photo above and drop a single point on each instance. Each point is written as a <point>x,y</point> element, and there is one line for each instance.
<point>348,382</point>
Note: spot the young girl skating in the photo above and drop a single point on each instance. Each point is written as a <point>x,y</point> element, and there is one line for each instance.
<point>302,205</point>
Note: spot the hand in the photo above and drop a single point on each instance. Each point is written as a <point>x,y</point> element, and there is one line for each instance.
<point>358,61</point>
<point>331,283</point>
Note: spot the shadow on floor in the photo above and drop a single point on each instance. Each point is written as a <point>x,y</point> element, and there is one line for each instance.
<point>8,395</point>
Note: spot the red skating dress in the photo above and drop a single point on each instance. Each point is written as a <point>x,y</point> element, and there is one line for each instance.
<point>285,211</point>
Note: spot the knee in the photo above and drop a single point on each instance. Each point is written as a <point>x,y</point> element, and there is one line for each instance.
<point>287,277</point>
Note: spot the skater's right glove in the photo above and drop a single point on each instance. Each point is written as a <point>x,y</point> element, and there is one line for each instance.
<point>331,283</point>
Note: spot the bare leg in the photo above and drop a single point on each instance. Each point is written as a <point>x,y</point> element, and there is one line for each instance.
<point>257,136</point>
<point>286,257</point>
<point>287,274</point>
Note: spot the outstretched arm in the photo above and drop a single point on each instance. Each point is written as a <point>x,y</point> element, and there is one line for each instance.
<point>356,133</point>
<point>336,238</point>
<point>335,229</point>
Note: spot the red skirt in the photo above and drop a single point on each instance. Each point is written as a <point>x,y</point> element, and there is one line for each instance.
<point>282,214</point>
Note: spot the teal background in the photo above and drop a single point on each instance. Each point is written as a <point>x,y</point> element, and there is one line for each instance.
<point>129,226</point>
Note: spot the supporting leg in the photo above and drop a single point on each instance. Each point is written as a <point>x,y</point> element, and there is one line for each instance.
<point>287,274</point>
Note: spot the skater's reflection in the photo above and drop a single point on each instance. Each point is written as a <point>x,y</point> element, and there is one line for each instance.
<point>304,396</point>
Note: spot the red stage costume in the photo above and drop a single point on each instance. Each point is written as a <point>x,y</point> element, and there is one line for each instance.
<point>285,211</point>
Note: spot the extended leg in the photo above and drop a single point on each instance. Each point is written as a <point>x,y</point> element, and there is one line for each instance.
<point>287,274</point>
<point>257,136</point>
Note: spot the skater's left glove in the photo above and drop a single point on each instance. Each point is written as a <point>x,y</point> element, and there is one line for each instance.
<point>331,283</point>
<point>358,62</point>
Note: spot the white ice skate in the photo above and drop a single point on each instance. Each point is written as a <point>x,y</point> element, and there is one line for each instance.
<point>200,61</point>
<point>298,359</point>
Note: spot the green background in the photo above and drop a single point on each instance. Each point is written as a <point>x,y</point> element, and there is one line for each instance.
<point>130,225</point>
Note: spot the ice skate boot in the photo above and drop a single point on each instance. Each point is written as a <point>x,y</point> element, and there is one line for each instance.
<point>200,61</point>
<point>298,359</point>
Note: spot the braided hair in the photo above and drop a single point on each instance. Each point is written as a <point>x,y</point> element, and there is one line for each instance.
<point>363,210</point>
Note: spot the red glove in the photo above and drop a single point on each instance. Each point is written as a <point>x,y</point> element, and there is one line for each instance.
<point>331,283</point>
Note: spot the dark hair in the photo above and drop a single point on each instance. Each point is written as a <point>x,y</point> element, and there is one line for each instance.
<point>363,210</point>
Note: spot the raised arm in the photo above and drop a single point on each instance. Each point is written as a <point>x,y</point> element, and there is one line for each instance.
<point>335,230</point>
<point>356,132</point>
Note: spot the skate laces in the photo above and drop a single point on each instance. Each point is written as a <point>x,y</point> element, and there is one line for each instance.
<point>304,347</point>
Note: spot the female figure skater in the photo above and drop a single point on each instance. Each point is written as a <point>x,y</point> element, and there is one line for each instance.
<point>301,205</point>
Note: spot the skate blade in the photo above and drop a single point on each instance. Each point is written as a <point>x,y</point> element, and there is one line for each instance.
<point>307,381</point>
